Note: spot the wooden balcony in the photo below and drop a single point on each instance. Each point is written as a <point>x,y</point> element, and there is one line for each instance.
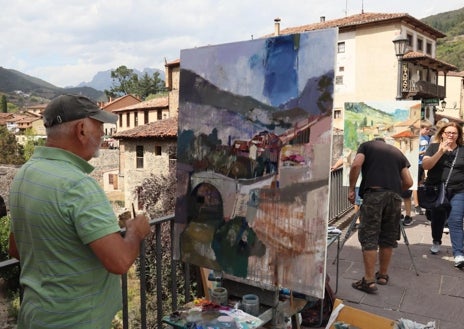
<point>423,89</point>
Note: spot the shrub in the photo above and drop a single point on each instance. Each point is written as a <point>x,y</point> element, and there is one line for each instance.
<point>10,274</point>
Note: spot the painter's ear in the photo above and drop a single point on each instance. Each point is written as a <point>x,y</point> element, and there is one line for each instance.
<point>80,129</point>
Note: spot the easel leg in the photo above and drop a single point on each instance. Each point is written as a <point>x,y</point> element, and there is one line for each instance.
<point>350,229</point>
<point>406,242</point>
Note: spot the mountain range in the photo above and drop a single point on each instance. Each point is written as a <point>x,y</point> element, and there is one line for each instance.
<point>17,86</point>
<point>102,80</point>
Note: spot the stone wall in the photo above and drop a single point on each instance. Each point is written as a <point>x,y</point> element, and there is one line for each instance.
<point>7,174</point>
<point>107,161</point>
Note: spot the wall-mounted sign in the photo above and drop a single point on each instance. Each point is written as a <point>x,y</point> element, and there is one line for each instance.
<point>405,78</point>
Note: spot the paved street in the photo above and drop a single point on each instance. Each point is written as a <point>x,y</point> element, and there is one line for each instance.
<point>436,294</point>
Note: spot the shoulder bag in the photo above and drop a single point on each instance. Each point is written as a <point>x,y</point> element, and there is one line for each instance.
<point>436,196</point>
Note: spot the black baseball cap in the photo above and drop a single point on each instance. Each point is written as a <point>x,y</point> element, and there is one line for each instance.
<point>66,108</point>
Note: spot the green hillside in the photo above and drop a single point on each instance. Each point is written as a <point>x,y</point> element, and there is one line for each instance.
<point>451,48</point>
<point>34,90</point>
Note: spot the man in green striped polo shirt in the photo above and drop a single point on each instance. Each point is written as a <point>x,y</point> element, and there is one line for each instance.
<point>63,228</point>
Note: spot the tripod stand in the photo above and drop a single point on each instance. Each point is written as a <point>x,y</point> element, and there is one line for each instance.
<point>352,226</point>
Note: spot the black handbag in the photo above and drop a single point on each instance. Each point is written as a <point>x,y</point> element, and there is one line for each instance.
<point>433,196</point>
<point>436,196</point>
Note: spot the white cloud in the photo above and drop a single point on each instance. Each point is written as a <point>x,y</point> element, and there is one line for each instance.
<point>67,42</point>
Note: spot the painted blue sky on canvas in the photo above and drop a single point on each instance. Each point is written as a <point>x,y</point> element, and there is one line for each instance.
<point>271,70</point>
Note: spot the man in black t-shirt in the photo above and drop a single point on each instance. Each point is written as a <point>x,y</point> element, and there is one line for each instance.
<point>385,175</point>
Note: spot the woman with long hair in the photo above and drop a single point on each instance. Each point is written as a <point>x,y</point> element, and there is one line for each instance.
<point>438,160</point>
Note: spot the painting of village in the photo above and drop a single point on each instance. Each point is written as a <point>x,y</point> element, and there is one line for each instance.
<point>254,143</point>
<point>398,122</point>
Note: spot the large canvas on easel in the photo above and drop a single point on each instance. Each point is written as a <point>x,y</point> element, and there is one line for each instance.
<point>398,122</point>
<point>254,147</point>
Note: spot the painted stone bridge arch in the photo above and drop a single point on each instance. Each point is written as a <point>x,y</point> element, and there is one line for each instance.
<point>226,186</point>
<point>234,192</point>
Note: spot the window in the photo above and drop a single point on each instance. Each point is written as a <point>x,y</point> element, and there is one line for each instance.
<point>341,47</point>
<point>341,69</point>
<point>158,150</point>
<point>120,119</point>
<point>139,156</point>
<point>339,80</point>
<point>429,48</point>
<point>145,117</point>
<point>136,119</point>
<point>420,44</point>
<point>159,114</point>
<point>127,119</point>
<point>409,37</point>
<point>337,114</point>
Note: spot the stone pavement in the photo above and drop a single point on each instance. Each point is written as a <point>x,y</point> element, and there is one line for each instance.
<point>435,294</point>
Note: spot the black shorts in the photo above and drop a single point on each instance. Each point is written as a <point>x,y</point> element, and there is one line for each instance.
<point>406,194</point>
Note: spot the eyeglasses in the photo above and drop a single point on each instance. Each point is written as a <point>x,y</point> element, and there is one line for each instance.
<point>450,133</point>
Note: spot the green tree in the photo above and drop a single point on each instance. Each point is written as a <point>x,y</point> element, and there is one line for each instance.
<point>4,104</point>
<point>31,143</point>
<point>10,151</point>
<point>125,82</point>
<point>150,86</point>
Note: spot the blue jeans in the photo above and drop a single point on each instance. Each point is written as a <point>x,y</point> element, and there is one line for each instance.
<point>455,222</point>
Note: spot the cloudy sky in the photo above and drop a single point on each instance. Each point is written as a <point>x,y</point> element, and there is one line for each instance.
<point>66,42</point>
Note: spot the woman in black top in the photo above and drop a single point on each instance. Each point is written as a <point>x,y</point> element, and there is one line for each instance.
<point>438,160</point>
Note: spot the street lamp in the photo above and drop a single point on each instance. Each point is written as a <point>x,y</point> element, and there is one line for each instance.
<point>400,43</point>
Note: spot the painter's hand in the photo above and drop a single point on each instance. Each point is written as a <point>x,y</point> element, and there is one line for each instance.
<point>139,226</point>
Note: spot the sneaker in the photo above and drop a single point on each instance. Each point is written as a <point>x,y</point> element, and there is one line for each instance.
<point>459,261</point>
<point>435,249</point>
<point>446,230</point>
<point>418,210</point>
<point>407,220</point>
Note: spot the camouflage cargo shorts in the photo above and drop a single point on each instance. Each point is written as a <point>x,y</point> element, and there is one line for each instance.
<point>380,220</point>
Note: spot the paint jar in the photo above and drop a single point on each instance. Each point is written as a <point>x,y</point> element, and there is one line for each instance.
<point>250,304</point>
<point>219,296</point>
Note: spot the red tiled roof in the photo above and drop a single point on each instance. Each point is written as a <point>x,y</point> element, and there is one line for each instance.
<point>158,102</point>
<point>120,102</point>
<point>17,118</point>
<point>426,60</point>
<point>453,74</point>
<point>4,117</point>
<point>173,63</point>
<point>29,119</point>
<point>405,133</point>
<point>364,19</point>
<point>439,116</point>
<point>161,129</point>
<point>36,107</point>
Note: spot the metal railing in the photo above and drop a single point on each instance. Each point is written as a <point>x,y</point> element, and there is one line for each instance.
<point>338,207</point>
<point>338,199</point>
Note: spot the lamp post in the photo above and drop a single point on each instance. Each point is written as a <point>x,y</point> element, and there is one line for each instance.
<point>400,43</point>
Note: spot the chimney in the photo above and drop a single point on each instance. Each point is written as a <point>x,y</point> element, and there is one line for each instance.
<point>277,26</point>
<point>322,19</point>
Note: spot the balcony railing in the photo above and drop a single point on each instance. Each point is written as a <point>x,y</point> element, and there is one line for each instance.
<point>425,89</point>
<point>338,206</point>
